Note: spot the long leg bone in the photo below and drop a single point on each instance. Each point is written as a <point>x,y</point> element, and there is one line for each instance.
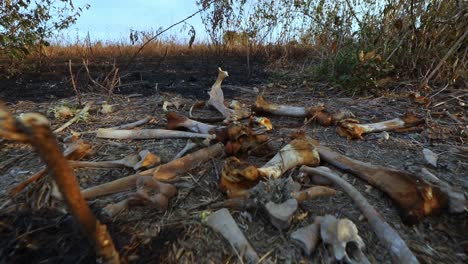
<point>217,101</point>
<point>221,221</point>
<point>386,234</point>
<point>36,128</point>
<point>317,112</point>
<point>413,195</point>
<point>352,130</point>
<point>147,134</point>
<point>164,172</point>
<point>142,160</point>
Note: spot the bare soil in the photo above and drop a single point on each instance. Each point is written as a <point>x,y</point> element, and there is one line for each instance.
<point>146,235</point>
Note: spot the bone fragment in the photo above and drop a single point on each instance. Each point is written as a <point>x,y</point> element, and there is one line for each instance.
<point>342,235</point>
<point>147,160</point>
<point>74,119</point>
<point>281,214</point>
<point>143,160</point>
<point>350,128</point>
<point>430,157</point>
<point>164,172</point>
<point>147,134</point>
<point>217,101</point>
<point>133,124</point>
<point>386,234</point>
<point>188,147</point>
<point>313,192</point>
<point>175,121</point>
<point>457,200</point>
<point>36,128</point>
<point>414,196</point>
<point>307,238</point>
<point>221,221</point>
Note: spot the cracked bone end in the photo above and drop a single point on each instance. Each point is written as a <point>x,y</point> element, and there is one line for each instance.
<point>222,222</point>
<point>350,129</point>
<point>175,120</point>
<point>263,106</point>
<point>281,214</point>
<point>240,139</point>
<point>222,74</point>
<point>313,192</point>
<point>147,159</point>
<point>307,237</point>
<point>297,152</point>
<point>342,235</point>
<point>262,121</point>
<point>237,177</point>
<point>147,183</point>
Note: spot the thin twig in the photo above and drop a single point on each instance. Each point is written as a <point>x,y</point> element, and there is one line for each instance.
<point>72,77</point>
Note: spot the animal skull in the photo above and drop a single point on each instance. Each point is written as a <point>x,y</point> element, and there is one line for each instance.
<point>342,236</point>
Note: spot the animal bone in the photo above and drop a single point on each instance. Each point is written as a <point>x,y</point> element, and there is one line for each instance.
<point>221,221</point>
<point>317,112</point>
<point>145,184</point>
<point>342,236</point>
<point>36,128</point>
<point>217,101</point>
<point>281,214</point>
<point>307,238</point>
<point>350,128</point>
<point>313,192</point>
<point>147,134</point>
<point>164,172</point>
<point>413,195</point>
<point>237,176</point>
<point>142,160</point>
<point>240,139</point>
<point>457,201</point>
<point>386,234</point>
<point>189,146</point>
<point>175,121</point>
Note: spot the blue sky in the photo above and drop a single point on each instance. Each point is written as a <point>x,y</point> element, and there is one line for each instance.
<point>113,19</point>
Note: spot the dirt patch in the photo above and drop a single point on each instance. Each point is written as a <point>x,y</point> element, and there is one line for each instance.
<point>144,234</point>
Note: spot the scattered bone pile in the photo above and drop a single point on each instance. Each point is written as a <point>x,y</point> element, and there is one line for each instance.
<point>244,132</point>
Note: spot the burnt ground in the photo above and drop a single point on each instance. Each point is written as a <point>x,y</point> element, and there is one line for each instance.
<point>146,235</point>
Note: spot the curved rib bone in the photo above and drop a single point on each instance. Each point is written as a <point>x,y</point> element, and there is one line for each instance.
<point>386,234</point>
<point>352,130</point>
